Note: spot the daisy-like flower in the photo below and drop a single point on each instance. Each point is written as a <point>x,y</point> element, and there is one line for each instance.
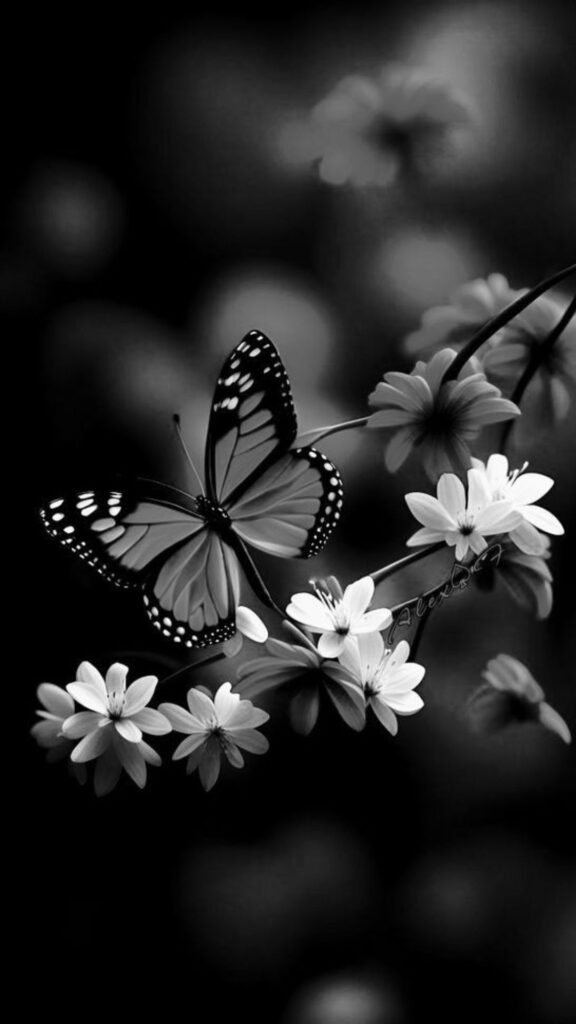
<point>112,727</point>
<point>521,490</point>
<point>512,695</point>
<point>470,306</point>
<point>338,615</point>
<point>527,577</point>
<point>386,676</point>
<point>367,130</point>
<point>307,675</point>
<point>437,419</point>
<point>224,725</point>
<point>556,376</point>
<point>462,523</point>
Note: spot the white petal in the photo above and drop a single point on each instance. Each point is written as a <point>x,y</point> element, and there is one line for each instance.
<point>384,714</point>
<point>406,703</point>
<point>310,611</point>
<point>250,625</point>
<point>497,470</point>
<point>81,724</point>
<point>152,722</point>
<point>180,719</point>
<point>128,730</point>
<point>200,704</point>
<point>543,520</point>
<point>132,761</point>
<point>553,721</point>
<point>107,772</point>
<point>428,511</point>
<point>371,650</point>
<point>55,700</point>
<point>358,596</point>
<point>251,740</point>
<point>330,645</point>
<point>94,744</point>
<point>530,487</point>
<point>499,517</point>
<point>425,536</point>
<point>139,694</point>
<point>372,622</point>
<point>209,767</point>
<point>227,704</point>
<point>526,537</point>
<point>187,746</point>
<point>116,678</point>
<point>478,490</point>
<point>87,673</point>
<point>89,696</point>
<point>451,495</point>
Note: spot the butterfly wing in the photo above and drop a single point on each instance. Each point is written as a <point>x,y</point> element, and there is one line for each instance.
<point>189,577</point>
<point>281,501</point>
<point>291,509</point>
<point>252,420</point>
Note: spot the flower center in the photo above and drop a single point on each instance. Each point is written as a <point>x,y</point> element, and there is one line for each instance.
<point>466,524</point>
<point>115,704</point>
<point>338,613</point>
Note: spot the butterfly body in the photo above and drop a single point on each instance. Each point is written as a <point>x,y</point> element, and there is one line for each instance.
<point>185,551</point>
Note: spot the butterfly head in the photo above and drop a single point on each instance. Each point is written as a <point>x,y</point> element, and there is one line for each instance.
<point>214,514</point>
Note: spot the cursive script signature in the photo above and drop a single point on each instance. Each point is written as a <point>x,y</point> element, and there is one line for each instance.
<point>459,578</point>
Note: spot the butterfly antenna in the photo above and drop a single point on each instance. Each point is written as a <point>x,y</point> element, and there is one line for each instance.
<point>176,419</point>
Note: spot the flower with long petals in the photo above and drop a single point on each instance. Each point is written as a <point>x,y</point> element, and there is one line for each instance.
<point>223,725</point>
<point>527,577</point>
<point>112,728</point>
<point>521,490</point>
<point>307,675</point>
<point>57,706</point>
<point>436,419</point>
<point>386,676</point>
<point>470,306</point>
<point>338,615</point>
<point>463,523</point>
<point>506,360</point>
<point>512,695</point>
<point>367,130</point>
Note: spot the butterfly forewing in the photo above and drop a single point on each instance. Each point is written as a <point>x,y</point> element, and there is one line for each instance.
<point>292,508</point>
<point>252,421</point>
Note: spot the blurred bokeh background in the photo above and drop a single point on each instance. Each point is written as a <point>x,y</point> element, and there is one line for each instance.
<point>151,215</point>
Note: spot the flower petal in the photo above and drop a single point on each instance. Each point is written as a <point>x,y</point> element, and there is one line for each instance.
<point>543,520</point>
<point>81,724</point>
<point>128,730</point>
<point>310,611</point>
<point>180,719</point>
<point>384,714</point>
<point>139,694</point>
<point>358,596</point>
<point>55,699</point>
<point>304,709</point>
<point>553,721</point>
<point>330,645</point>
<point>191,743</point>
<point>428,511</point>
<point>87,673</point>
<point>116,678</point>
<point>451,495</point>
<point>107,772</point>
<point>89,696</point>
<point>94,744</point>
<point>530,487</point>
<point>251,740</point>
<point>152,722</point>
<point>132,761</point>
<point>250,625</point>
<point>209,767</point>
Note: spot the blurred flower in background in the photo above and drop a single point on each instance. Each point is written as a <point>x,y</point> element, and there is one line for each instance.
<point>346,999</point>
<point>57,706</point>
<point>527,577</point>
<point>512,695</point>
<point>367,131</point>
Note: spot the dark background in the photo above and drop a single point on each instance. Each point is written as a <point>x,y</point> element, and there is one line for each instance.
<point>150,219</point>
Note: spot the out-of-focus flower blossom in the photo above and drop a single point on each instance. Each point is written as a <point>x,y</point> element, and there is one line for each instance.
<point>463,524</point>
<point>516,344</point>
<point>527,577</point>
<point>512,695</point>
<point>224,725</point>
<point>308,675</point>
<point>438,419</point>
<point>471,305</point>
<point>112,727</point>
<point>368,130</point>
<point>338,615</point>
<point>521,490</point>
<point>58,706</point>
<point>248,625</point>
<point>386,676</point>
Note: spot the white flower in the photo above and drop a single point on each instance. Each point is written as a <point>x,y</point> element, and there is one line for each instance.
<point>386,676</point>
<point>212,727</point>
<point>338,615</point>
<point>521,490</point>
<point>111,730</point>
<point>58,706</point>
<point>512,695</point>
<point>471,305</point>
<point>248,625</point>
<point>462,524</point>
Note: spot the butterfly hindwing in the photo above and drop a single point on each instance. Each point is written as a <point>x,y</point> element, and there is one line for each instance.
<point>292,508</point>
<point>252,420</point>
<point>193,598</point>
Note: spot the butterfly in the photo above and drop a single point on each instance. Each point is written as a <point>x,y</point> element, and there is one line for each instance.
<point>185,552</point>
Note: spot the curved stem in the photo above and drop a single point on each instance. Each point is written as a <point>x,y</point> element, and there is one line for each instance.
<point>389,570</point>
<point>501,319</point>
<point>209,660</point>
<point>312,436</point>
<point>538,356</point>
<point>254,577</point>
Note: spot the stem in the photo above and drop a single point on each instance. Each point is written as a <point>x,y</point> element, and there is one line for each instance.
<point>537,357</point>
<point>312,436</point>
<point>209,660</point>
<point>253,576</point>
<point>502,318</point>
<point>389,570</point>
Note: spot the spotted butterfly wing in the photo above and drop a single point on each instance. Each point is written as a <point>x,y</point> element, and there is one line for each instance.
<point>261,492</point>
